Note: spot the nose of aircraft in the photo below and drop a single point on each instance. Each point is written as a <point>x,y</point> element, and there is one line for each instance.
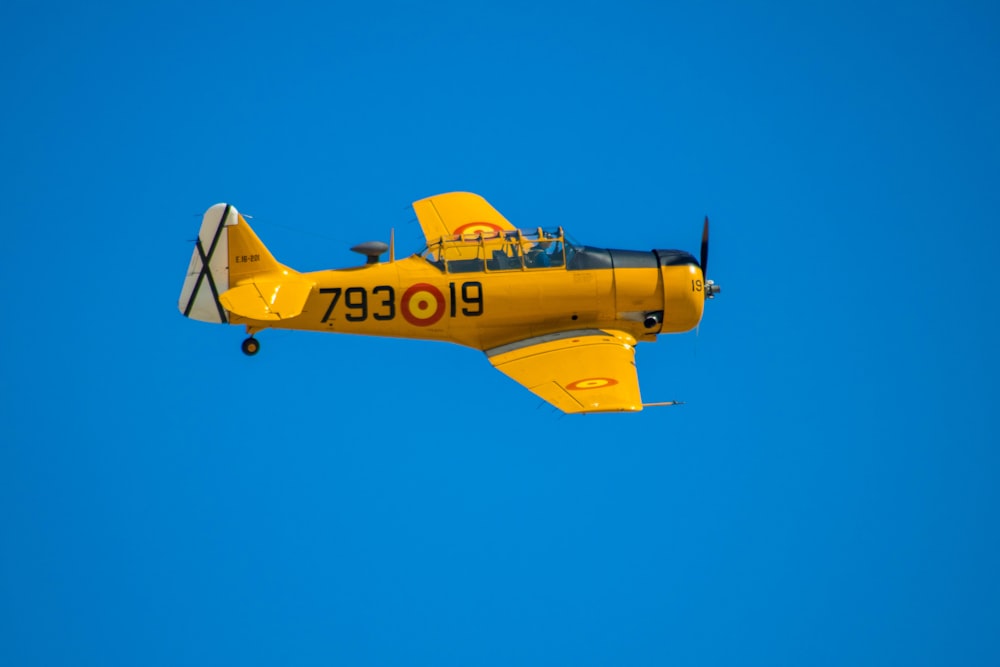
<point>683,290</point>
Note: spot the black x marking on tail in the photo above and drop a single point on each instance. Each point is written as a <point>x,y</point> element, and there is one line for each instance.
<point>205,272</point>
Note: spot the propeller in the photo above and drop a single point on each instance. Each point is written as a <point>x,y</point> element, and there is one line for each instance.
<point>704,248</point>
<point>711,289</point>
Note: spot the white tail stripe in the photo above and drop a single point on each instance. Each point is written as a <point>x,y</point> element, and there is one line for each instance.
<point>209,264</point>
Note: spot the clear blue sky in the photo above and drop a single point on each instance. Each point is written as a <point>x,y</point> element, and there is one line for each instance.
<point>827,496</point>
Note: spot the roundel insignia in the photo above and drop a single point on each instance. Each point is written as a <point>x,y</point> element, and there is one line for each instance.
<point>591,383</point>
<point>478,228</point>
<point>422,304</point>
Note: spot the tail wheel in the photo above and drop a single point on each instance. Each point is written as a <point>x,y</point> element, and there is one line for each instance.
<point>251,346</point>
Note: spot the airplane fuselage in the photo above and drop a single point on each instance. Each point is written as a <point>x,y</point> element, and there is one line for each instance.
<point>640,293</point>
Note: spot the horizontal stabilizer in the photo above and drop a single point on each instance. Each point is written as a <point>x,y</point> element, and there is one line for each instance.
<point>268,300</point>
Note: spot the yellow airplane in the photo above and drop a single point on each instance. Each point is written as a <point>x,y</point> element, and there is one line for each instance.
<point>560,318</point>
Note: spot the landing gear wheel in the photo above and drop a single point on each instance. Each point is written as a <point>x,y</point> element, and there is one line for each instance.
<point>251,346</point>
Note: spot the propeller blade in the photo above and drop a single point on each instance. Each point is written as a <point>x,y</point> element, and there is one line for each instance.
<point>704,249</point>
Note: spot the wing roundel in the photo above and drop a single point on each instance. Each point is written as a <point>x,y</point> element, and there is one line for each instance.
<point>458,213</point>
<point>577,371</point>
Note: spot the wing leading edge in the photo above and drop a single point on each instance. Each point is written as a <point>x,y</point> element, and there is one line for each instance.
<point>581,371</point>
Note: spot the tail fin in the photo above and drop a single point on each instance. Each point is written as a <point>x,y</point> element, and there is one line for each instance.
<point>232,272</point>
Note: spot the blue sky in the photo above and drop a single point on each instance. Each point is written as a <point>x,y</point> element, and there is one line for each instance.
<point>827,496</point>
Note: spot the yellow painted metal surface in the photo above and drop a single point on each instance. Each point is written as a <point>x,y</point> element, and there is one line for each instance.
<point>482,284</point>
<point>248,257</point>
<point>589,371</point>
<point>268,299</point>
<point>458,213</point>
<point>683,297</point>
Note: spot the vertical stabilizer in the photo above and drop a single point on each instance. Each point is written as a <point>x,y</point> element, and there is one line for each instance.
<point>233,273</point>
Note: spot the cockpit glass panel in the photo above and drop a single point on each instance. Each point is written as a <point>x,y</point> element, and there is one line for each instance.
<point>544,248</point>
<point>432,254</point>
<point>502,251</point>
<point>460,257</point>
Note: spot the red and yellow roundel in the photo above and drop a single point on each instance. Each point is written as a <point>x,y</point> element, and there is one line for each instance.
<point>478,228</point>
<point>422,304</point>
<point>591,383</point>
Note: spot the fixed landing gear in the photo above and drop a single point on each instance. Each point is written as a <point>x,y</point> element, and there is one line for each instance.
<point>251,346</point>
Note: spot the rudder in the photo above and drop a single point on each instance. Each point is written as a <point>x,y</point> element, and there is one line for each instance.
<point>208,273</point>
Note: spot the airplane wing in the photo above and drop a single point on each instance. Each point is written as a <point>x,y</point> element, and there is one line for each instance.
<point>577,371</point>
<point>458,213</point>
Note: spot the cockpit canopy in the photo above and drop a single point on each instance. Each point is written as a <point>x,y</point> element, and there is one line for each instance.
<point>501,250</point>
